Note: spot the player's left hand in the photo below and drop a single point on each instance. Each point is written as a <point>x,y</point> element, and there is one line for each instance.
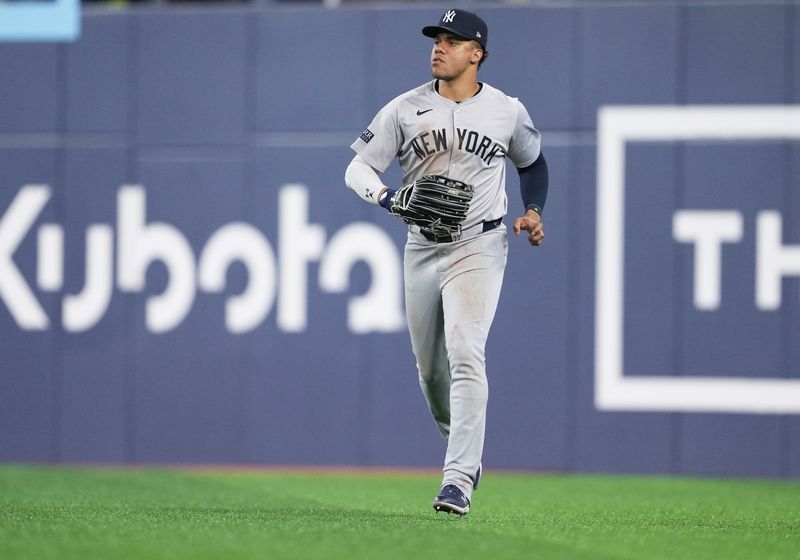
<point>532,223</point>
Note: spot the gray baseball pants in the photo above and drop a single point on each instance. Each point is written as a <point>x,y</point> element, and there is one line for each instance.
<point>451,292</point>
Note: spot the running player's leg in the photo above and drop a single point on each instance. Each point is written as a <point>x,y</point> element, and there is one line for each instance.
<point>470,299</point>
<point>426,327</point>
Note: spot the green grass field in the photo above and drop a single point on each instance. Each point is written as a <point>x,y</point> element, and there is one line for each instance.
<point>139,514</point>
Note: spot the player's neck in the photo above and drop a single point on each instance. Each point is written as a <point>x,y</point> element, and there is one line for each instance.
<point>458,90</point>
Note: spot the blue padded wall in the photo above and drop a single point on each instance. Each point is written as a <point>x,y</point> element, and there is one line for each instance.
<point>217,113</point>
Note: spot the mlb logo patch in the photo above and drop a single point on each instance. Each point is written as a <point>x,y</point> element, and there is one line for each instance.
<point>367,135</point>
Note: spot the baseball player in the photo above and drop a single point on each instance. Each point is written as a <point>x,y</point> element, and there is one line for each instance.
<point>454,131</point>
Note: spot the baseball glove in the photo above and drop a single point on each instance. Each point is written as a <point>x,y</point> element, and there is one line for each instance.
<point>435,203</point>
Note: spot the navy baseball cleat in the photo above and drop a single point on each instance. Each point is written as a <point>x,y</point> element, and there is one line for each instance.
<point>452,500</point>
<point>477,478</point>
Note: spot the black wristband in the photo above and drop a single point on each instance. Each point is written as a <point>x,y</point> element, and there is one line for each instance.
<point>535,208</point>
<point>386,199</point>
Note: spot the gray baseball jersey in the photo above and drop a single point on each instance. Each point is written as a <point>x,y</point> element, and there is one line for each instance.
<point>468,141</point>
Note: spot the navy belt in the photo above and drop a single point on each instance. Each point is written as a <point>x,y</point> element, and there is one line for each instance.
<point>449,237</point>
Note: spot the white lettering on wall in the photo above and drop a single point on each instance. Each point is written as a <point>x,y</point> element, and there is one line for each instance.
<point>83,311</point>
<point>271,279</point>
<point>300,243</point>
<point>14,226</point>
<point>141,244</point>
<point>380,308</point>
<point>244,243</point>
<point>707,230</point>
<point>773,260</point>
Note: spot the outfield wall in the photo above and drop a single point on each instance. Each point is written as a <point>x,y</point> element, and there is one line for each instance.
<point>184,277</point>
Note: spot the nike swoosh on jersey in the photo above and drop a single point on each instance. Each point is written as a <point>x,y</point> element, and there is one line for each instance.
<point>423,112</point>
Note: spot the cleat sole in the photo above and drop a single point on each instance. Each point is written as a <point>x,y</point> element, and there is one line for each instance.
<point>450,508</point>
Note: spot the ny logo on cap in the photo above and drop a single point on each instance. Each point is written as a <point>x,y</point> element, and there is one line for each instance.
<point>448,16</point>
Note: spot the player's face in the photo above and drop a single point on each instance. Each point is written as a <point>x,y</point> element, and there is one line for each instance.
<point>451,56</point>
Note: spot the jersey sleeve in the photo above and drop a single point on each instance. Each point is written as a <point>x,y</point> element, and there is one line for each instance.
<point>380,143</point>
<point>526,141</point>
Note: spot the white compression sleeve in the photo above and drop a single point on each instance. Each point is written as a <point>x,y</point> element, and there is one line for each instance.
<point>363,180</point>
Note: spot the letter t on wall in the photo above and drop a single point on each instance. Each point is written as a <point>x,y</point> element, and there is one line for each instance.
<point>707,230</point>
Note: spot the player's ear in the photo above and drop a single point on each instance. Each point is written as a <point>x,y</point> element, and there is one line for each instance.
<point>477,56</point>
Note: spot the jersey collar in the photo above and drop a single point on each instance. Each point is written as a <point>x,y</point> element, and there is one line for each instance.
<point>435,85</point>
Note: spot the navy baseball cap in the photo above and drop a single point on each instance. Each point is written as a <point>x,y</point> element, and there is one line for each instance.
<point>461,23</point>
